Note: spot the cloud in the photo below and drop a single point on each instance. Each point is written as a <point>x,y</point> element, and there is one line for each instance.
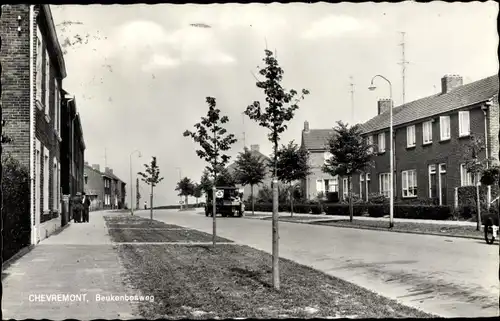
<point>337,26</point>
<point>160,61</point>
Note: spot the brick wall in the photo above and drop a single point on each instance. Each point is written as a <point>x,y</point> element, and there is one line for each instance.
<point>493,129</point>
<point>316,161</point>
<point>452,153</point>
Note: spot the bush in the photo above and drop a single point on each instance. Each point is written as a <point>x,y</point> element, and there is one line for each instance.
<point>490,215</point>
<point>302,208</point>
<point>343,209</point>
<point>15,207</point>
<point>316,208</point>
<point>378,210</point>
<point>284,207</point>
<point>378,199</point>
<point>424,212</point>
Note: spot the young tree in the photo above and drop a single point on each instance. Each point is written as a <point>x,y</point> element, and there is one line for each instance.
<point>197,192</point>
<point>250,170</point>
<point>206,183</point>
<point>137,195</point>
<point>214,140</point>
<point>151,176</point>
<point>351,154</point>
<point>280,109</point>
<point>186,188</point>
<point>293,165</point>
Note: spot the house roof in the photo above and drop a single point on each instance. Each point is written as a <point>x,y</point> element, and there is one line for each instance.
<point>316,139</point>
<point>109,175</point>
<point>460,97</point>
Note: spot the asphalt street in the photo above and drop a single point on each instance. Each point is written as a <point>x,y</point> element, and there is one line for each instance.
<point>447,276</point>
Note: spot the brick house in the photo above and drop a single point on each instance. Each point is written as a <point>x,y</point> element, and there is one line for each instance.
<point>105,189</point>
<point>318,182</point>
<point>32,72</point>
<point>255,150</point>
<point>72,151</point>
<point>431,138</point>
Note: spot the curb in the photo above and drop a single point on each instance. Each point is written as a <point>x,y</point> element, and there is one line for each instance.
<point>22,252</point>
<point>61,229</point>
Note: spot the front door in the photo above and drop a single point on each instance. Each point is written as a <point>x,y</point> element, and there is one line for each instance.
<point>443,185</point>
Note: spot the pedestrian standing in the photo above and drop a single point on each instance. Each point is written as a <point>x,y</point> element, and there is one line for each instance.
<point>77,208</point>
<point>145,205</point>
<point>86,208</point>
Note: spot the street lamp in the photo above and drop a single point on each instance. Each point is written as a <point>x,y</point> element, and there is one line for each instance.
<point>131,182</point>
<point>180,178</point>
<point>391,151</point>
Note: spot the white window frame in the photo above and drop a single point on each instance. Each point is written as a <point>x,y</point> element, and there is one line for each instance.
<point>466,177</point>
<point>369,141</point>
<point>381,142</point>
<point>47,85</point>
<point>38,177</point>
<point>320,186</point>
<point>59,191</point>
<point>445,127</point>
<point>427,132</point>
<point>345,187</point>
<point>432,170</point>
<point>382,184</point>
<point>46,176</point>
<point>411,140</point>
<point>39,68</point>
<point>463,123</point>
<point>55,206</point>
<point>326,156</point>
<point>409,183</point>
<point>333,184</point>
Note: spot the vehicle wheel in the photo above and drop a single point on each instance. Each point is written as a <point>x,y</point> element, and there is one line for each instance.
<point>488,233</point>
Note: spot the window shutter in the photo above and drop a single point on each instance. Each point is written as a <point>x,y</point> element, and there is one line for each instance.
<point>319,185</point>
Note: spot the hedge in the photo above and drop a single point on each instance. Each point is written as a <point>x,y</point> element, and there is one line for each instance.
<point>15,207</point>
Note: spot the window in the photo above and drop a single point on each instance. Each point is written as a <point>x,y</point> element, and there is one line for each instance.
<point>86,179</point>
<point>327,156</point>
<point>38,173</point>
<point>55,186</point>
<point>410,136</point>
<point>381,142</point>
<point>442,168</point>
<point>384,184</point>
<point>368,176</point>
<point>369,141</point>
<point>345,187</point>
<point>39,64</point>
<point>432,181</point>
<point>463,123</point>
<point>59,191</point>
<point>47,84</point>
<point>46,166</point>
<point>466,177</point>
<point>444,126</point>
<point>409,183</point>
<point>427,132</point>
<point>320,186</point>
<point>57,108</point>
<point>333,184</point>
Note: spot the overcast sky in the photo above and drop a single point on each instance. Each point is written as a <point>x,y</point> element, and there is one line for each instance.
<point>140,73</point>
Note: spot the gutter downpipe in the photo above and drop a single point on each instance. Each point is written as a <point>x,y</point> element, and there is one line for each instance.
<point>34,228</point>
<point>485,111</point>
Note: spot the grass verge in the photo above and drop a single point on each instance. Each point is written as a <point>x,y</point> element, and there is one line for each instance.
<point>409,227</point>
<point>233,281</point>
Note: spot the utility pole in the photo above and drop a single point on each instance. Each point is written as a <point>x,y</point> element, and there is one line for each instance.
<point>244,135</point>
<point>403,64</point>
<point>352,100</point>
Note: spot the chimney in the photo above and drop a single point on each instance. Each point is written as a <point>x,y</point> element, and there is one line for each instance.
<point>96,167</point>
<point>106,170</point>
<point>254,148</point>
<point>450,82</point>
<point>384,105</point>
<point>111,171</point>
<point>306,126</point>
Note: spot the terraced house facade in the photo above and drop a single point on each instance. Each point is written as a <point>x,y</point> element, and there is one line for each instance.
<point>432,138</point>
<point>32,72</point>
<point>105,189</point>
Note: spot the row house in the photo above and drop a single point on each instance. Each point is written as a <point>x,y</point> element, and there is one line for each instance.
<point>105,189</point>
<point>255,151</point>
<point>32,72</point>
<point>72,154</point>
<point>432,139</point>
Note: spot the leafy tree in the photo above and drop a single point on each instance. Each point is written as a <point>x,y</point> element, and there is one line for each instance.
<point>186,188</point>
<point>224,179</point>
<point>293,165</point>
<point>197,192</point>
<point>151,176</point>
<point>206,183</point>
<point>250,170</point>
<point>280,109</point>
<point>137,194</point>
<point>213,139</point>
<point>351,154</point>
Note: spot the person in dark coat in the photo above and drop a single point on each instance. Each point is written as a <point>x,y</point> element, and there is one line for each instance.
<point>86,208</point>
<point>77,208</point>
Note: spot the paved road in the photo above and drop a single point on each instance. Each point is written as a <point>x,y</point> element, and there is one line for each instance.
<point>450,277</point>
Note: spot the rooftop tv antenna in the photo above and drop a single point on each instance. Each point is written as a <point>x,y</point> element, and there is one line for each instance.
<point>403,64</point>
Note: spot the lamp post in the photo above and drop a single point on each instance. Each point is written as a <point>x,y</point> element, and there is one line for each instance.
<point>131,182</point>
<point>180,178</point>
<point>391,151</point>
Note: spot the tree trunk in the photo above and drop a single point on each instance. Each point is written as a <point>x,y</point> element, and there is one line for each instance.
<point>291,200</point>
<point>275,247</point>
<point>351,205</point>
<point>186,201</point>
<point>151,204</point>
<point>478,203</point>
<point>253,200</point>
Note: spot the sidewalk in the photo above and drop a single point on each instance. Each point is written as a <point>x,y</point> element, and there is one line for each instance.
<point>79,261</point>
<point>324,217</point>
